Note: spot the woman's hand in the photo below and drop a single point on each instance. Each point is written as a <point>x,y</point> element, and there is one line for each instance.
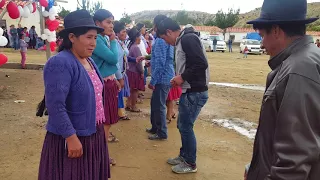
<point>74,147</point>
<point>112,36</point>
<point>119,85</point>
<point>121,81</point>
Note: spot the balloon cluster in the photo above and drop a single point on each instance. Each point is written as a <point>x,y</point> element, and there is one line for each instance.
<point>51,22</point>
<point>16,12</point>
<point>3,39</point>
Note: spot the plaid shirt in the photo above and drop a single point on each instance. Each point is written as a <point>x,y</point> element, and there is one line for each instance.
<point>161,63</point>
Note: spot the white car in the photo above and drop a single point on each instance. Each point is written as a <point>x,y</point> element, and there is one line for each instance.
<point>208,44</point>
<point>254,46</point>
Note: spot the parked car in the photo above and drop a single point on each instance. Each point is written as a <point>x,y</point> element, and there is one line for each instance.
<point>208,43</point>
<point>254,46</point>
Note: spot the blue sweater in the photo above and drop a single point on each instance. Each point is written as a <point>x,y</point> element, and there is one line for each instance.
<point>162,70</point>
<point>70,97</point>
<point>106,58</point>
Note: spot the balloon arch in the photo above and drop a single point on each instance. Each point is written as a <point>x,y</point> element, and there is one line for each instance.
<point>22,9</point>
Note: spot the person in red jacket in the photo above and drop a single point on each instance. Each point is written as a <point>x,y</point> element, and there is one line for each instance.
<point>318,43</point>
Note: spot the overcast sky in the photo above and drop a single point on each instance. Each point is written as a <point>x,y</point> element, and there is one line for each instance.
<point>117,7</point>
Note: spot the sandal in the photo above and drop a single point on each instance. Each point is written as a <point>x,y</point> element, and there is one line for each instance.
<point>128,109</point>
<point>139,101</point>
<point>124,118</point>
<point>113,138</point>
<point>174,116</point>
<point>112,162</point>
<point>168,121</point>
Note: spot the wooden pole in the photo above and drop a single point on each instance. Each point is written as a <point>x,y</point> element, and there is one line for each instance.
<point>42,27</point>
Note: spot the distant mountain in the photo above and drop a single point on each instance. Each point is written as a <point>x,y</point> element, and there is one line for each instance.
<point>199,17</point>
<point>202,17</point>
<point>313,11</point>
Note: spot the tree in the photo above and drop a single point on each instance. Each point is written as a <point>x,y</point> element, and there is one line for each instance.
<point>210,22</point>
<point>147,23</point>
<point>183,18</point>
<point>91,6</point>
<point>226,20</point>
<point>63,12</point>
<point>125,18</point>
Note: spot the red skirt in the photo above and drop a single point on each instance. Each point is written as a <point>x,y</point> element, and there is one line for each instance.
<point>135,81</point>
<point>174,93</point>
<point>111,102</point>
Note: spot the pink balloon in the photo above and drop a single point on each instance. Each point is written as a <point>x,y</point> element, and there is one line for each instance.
<point>3,59</point>
<point>13,10</point>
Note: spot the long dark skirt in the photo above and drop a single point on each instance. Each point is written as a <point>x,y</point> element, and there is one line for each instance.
<point>111,102</point>
<point>135,81</point>
<point>92,165</point>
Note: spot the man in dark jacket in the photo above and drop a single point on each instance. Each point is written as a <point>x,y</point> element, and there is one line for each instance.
<point>287,143</point>
<point>214,44</point>
<point>193,76</point>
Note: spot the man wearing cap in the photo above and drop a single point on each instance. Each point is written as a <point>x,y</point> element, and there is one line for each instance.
<point>287,143</point>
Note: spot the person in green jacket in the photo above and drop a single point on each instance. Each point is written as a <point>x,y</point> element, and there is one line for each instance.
<point>105,56</point>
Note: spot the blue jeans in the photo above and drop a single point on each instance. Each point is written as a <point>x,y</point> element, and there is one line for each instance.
<point>230,48</point>
<point>15,42</point>
<point>145,75</point>
<point>190,106</point>
<point>214,48</point>
<point>159,111</point>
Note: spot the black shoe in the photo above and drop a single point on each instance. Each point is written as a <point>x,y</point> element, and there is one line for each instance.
<point>156,137</point>
<point>150,131</point>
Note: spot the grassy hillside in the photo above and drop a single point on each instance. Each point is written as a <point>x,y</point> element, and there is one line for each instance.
<point>313,11</point>
<point>200,17</point>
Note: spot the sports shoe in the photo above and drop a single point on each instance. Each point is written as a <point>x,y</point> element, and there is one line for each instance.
<point>175,161</point>
<point>184,168</point>
<point>150,131</point>
<point>156,137</point>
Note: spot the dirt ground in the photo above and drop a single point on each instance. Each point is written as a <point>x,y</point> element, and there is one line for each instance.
<point>222,153</point>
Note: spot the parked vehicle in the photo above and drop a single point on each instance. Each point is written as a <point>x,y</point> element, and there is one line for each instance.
<point>208,43</point>
<point>254,46</point>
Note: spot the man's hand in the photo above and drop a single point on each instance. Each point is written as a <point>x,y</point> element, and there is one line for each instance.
<point>177,81</point>
<point>139,59</point>
<point>150,86</point>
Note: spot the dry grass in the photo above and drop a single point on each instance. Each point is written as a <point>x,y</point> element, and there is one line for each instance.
<point>232,68</point>
<point>224,67</point>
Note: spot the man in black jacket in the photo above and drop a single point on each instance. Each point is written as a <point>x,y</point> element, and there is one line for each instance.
<point>193,73</point>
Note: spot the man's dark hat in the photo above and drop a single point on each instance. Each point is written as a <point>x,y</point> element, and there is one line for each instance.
<point>78,19</point>
<point>283,12</point>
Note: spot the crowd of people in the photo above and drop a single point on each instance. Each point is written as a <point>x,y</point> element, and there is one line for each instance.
<point>100,62</point>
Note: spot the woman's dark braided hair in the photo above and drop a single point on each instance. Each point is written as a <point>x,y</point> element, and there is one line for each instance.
<point>133,34</point>
<point>65,45</point>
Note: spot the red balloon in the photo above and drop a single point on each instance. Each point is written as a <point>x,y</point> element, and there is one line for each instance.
<point>53,46</point>
<point>44,3</point>
<point>53,25</point>
<point>13,10</point>
<point>34,5</point>
<point>3,59</point>
<point>2,3</point>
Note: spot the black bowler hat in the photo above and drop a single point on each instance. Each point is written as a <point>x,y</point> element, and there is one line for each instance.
<point>283,12</point>
<point>78,19</point>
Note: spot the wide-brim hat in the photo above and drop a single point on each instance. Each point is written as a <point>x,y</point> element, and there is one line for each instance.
<point>283,12</point>
<point>78,19</point>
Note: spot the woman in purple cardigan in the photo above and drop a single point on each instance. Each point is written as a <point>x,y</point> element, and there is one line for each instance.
<point>75,146</point>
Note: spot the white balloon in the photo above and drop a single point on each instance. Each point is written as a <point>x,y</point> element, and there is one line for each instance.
<point>1,31</point>
<point>44,37</point>
<point>21,10</point>
<point>52,39</point>
<point>53,11</point>
<point>27,12</point>
<point>52,17</point>
<point>3,41</point>
<point>30,6</point>
<point>45,13</point>
<point>47,32</point>
<point>53,34</point>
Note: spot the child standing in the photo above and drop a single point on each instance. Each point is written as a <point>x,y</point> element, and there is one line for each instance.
<point>245,52</point>
<point>23,50</point>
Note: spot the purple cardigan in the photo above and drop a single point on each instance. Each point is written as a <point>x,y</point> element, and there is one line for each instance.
<point>70,97</point>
